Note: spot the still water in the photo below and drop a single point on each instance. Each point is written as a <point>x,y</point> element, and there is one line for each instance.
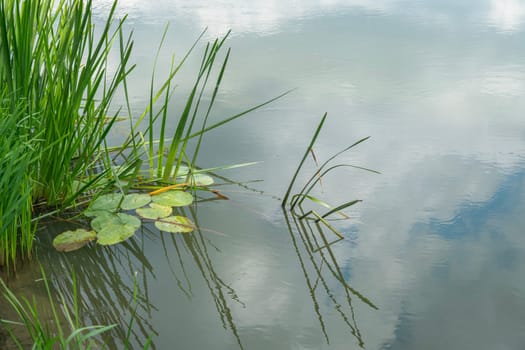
<point>434,256</point>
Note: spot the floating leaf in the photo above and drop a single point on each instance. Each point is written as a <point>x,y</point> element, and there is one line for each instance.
<point>183,171</point>
<point>200,180</point>
<point>173,198</point>
<point>154,211</point>
<point>72,240</point>
<point>109,219</point>
<point>175,224</point>
<point>107,202</point>
<point>115,233</point>
<point>135,200</point>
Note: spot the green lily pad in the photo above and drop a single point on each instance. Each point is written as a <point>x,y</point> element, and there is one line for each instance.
<point>72,240</point>
<point>135,200</point>
<point>201,180</point>
<point>183,171</point>
<point>175,224</point>
<point>115,233</point>
<point>109,219</point>
<point>155,211</point>
<point>173,198</point>
<point>107,202</point>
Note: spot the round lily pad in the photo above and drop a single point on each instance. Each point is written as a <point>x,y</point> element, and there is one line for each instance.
<point>173,198</point>
<point>155,211</point>
<point>175,224</point>
<point>107,202</point>
<point>101,221</point>
<point>72,240</point>
<point>115,233</point>
<point>201,180</point>
<point>183,171</point>
<point>135,200</point>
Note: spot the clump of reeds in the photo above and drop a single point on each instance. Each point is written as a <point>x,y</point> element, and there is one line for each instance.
<point>55,99</point>
<point>57,95</point>
<point>17,159</point>
<point>295,200</point>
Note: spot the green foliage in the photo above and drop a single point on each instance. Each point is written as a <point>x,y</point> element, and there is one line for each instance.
<point>52,59</point>
<point>17,160</point>
<point>57,114</point>
<point>54,102</point>
<point>296,200</point>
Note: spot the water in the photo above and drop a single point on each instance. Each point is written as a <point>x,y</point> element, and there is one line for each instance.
<point>434,256</point>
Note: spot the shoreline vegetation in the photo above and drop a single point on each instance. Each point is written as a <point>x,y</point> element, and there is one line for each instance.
<point>58,157</point>
<point>57,116</point>
<point>56,121</point>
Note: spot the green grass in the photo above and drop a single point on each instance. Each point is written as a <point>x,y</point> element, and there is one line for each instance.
<point>16,161</point>
<point>57,95</point>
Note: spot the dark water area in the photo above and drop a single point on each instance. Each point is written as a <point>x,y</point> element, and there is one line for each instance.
<point>434,256</point>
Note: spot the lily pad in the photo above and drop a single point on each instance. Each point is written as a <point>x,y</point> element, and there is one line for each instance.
<point>135,200</point>
<point>173,198</point>
<point>201,180</point>
<point>72,240</point>
<point>101,221</point>
<point>107,202</point>
<point>183,171</point>
<point>175,224</point>
<point>155,211</point>
<point>115,233</point>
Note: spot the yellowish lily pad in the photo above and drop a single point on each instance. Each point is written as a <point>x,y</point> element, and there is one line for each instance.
<point>175,224</point>
<point>108,219</point>
<point>135,200</point>
<point>200,180</point>
<point>107,202</point>
<point>173,198</point>
<point>115,233</point>
<point>72,240</point>
<point>155,211</point>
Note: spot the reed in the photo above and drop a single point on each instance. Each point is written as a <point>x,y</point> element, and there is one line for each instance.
<point>53,60</point>
<point>16,163</point>
<point>58,95</point>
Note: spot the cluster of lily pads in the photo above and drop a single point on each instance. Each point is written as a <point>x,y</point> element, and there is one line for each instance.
<point>113,220</point>
<point>110,224</point>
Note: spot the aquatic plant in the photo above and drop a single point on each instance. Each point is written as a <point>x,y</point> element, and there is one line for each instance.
<point>296,200</point>
<point>17,159</point>
<point>316,257</point>
<point>58,95</point>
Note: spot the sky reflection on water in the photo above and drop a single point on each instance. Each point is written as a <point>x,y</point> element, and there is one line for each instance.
<point>437,244</point>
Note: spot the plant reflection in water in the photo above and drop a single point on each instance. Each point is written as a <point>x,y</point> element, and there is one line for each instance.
<point>308,226</point>
<point>106,275</point>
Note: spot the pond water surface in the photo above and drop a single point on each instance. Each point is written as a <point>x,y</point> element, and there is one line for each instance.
<point>434,256</point>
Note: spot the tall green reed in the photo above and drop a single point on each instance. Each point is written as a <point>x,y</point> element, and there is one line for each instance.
<point>17,159</point>
<point>52,59</point>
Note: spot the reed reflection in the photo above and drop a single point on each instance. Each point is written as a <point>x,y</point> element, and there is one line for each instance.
<point>112,284</point>
<point>194,249</point>
<point>110,279</point>
<point>320,269</point>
